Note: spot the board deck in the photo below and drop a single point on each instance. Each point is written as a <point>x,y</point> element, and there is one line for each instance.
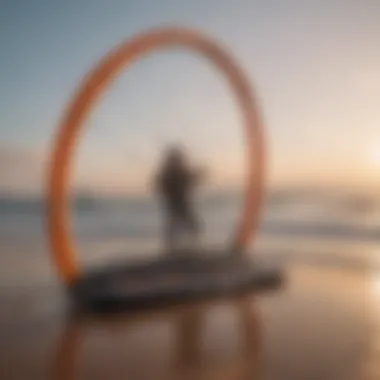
<point>172,278</point>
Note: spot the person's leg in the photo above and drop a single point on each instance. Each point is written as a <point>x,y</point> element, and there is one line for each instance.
<point>171,228</point>
<point>192,225</point>
<point>170,233</point>
<point>182,219</point>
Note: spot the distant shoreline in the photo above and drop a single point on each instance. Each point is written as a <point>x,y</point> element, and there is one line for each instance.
<point>354,201</point>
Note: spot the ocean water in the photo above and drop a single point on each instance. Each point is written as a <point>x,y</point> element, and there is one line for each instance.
<point>323,231</point>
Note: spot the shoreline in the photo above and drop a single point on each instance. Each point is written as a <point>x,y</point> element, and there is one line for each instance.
<point>22,271</point>
<point>316,327</point>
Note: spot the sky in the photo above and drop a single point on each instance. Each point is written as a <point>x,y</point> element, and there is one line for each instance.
<point>314,65</point>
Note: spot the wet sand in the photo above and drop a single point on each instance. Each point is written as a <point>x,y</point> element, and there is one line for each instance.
<point>320,325</point>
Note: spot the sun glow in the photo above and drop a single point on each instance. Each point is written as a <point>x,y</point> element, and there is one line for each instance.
<point>375,155</point>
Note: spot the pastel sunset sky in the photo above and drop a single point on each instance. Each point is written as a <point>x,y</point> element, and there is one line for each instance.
<point>315,66</point>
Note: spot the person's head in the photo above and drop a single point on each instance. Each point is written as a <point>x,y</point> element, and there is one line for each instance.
<point>175,156</point>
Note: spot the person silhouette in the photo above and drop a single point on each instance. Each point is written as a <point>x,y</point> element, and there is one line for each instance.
<point>175,183</point>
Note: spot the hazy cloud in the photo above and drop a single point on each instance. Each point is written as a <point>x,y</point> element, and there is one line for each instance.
<point>21,169</point>
<point>368,79</point>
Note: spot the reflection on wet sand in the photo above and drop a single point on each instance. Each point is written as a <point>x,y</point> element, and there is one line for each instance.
<point>318,327</point>
<point>181,343</point>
